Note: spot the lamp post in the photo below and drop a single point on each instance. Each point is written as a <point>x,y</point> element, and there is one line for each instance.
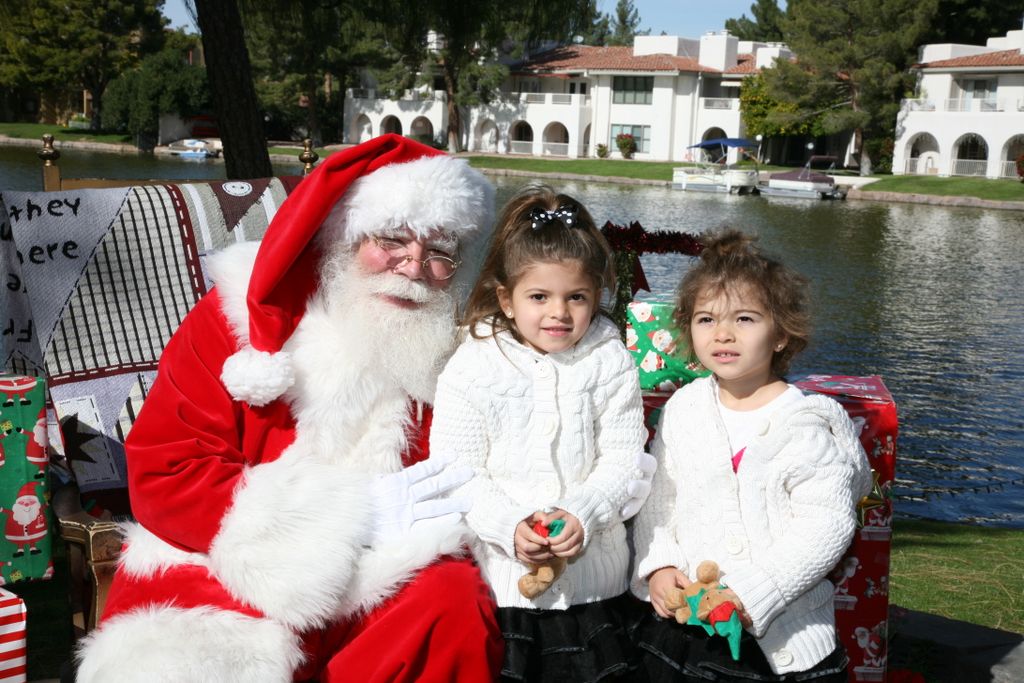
<point>759,138</point>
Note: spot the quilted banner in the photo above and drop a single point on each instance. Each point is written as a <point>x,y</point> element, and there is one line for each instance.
<point>98,281</point>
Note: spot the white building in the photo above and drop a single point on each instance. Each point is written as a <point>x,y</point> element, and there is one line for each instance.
<point>668,92</point>
<point>968,117</point>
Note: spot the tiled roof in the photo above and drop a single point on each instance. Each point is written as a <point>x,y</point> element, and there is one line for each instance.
<point>745,64</point>
<point>618,58</point>
<point>1001,58</point>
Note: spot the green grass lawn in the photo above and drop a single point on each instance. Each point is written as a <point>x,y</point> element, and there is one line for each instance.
<point>35,131</point>
<point>982,188</point>
<point>960,571</point>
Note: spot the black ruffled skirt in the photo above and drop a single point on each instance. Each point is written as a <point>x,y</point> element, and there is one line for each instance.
<point>582,644</point>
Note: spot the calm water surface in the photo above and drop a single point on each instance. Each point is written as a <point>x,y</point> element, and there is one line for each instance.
<point>927,297</point>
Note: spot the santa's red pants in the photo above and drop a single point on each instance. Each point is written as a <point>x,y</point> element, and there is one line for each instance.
<point>441,626</point>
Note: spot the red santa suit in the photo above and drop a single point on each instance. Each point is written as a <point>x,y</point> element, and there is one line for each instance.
<point>252,559</point>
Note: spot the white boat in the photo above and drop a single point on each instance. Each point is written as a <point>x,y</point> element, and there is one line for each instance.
<point>804,183</point>
<point>717,176</point>
<point>194,148</point>
<point>711,179</point>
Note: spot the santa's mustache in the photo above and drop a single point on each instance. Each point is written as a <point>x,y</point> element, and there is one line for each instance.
<point>388,285</point>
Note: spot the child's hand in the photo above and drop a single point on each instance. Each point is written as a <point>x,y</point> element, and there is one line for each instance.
<point>745,620</point>
<point>531,546</point>
<point>569,541</point>
<point>662,581</point>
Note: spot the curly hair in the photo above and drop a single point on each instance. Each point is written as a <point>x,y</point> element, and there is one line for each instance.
<point>517,245</point>
<point>730,260</point>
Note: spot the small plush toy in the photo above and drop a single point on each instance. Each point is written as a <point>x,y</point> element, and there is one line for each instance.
<point>543,574</point>
<point>678,599</point>
<point>704,603</point>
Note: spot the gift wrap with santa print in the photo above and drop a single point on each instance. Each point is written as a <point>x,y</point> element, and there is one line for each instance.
<point>861,578</point>
<point>657,350</point>
<point>25,550</point>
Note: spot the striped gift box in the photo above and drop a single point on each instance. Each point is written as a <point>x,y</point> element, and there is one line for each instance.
<point>12,638</point>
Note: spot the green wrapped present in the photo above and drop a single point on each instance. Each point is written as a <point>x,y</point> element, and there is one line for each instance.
<point>25,550</point>
<point>654,342</point>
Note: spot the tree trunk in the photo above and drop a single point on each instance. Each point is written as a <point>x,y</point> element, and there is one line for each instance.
<point>454,115</point>
<point>234,96</point>
<point>313,111</point>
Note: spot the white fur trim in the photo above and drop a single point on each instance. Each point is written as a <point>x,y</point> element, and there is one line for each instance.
<point>291,541</point>
<point>385,569</point>
<point>257,377</point>
<point>146,554</point>
<point>422,195</point>
<point>230,269</point>
<point>161,644</point>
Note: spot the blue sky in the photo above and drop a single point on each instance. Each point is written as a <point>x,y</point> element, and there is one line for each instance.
<point>687,18</point>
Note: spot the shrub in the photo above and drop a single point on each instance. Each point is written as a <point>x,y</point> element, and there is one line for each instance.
<point>602,151</point>
<point>626,144</point>
<point>1020,167</point>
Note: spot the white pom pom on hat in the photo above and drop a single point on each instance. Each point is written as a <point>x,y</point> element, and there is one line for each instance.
<point>385,183</point>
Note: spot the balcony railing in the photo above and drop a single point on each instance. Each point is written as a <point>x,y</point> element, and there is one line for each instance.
<point>975,105</point>
<point>969,167</point>
<point>915,166</point>
<point>721,102</point>
<point>555,149</point>
<point>1009,170</point>
<point>554,98</point>
<point>963,105</point>
<point>520,147</point>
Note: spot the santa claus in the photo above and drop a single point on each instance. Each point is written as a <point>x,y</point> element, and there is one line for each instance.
<point>26,521</point>
<point>283,530</point>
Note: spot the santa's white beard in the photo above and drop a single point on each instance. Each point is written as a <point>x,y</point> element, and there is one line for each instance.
<point>408,345</point>
<point>25,513</point>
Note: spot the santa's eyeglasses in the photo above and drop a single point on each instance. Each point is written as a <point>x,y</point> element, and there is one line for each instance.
<point>436,266</point>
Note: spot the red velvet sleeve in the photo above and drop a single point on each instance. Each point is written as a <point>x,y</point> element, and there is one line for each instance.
<point>184,451</point>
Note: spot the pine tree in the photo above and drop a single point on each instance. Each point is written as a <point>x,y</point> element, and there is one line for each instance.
<point>765,26</point>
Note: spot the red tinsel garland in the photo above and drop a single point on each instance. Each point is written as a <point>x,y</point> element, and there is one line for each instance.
<point>639,241</point>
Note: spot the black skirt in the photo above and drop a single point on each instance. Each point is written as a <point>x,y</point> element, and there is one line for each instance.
<point>674,653</point>
<point>582,644</point>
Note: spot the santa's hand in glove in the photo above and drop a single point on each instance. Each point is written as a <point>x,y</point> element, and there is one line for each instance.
<point>412,499</point>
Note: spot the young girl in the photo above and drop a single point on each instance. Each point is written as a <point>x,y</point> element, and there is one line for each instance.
<point>542,401</point>
<point>751,474</point>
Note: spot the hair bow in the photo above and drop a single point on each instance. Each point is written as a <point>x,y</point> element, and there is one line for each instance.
<point>565,213</point>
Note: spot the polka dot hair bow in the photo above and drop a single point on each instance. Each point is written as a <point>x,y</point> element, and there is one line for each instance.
<point>566,214</point>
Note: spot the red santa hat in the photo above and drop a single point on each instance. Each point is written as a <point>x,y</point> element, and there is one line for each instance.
<point>387,183</point>
<point>29,490</point>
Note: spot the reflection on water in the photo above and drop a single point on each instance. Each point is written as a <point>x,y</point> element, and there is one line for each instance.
<point>927,297</point>
<point>21,169</point>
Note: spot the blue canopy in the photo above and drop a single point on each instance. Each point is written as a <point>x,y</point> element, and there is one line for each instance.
<point>724,142</point>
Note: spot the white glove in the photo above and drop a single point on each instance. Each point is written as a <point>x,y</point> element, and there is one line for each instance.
<point>403,499</point>
<point>639,489</point>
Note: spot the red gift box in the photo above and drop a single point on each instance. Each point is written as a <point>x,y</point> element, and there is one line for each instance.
<point>862,576</point>
<point>12,638</point>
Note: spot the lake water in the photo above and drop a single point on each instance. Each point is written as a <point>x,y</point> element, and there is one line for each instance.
<point>930,298</point>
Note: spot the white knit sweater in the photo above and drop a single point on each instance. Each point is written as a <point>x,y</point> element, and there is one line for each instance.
<point>776,527</point>
<point>560,430</point>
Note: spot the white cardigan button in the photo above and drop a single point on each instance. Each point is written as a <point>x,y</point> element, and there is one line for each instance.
<point>783,657</point>
<point>548,426</point>
<point>734,545</point>
<point>543,370</point>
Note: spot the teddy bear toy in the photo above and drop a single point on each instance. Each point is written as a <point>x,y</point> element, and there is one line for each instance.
<point>705,603</point>
<point>543,574</point>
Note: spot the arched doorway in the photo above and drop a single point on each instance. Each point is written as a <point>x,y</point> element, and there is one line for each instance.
<point>556,140</point>
<point>521,138</point>
<point>1012,150</point>
<point>922,155</point>
<point>970,155</point>
<point>391,124</point>
<point>486,138</point>
<point>585,149</point>
<point>422,130</point>
<point>362,129</point>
